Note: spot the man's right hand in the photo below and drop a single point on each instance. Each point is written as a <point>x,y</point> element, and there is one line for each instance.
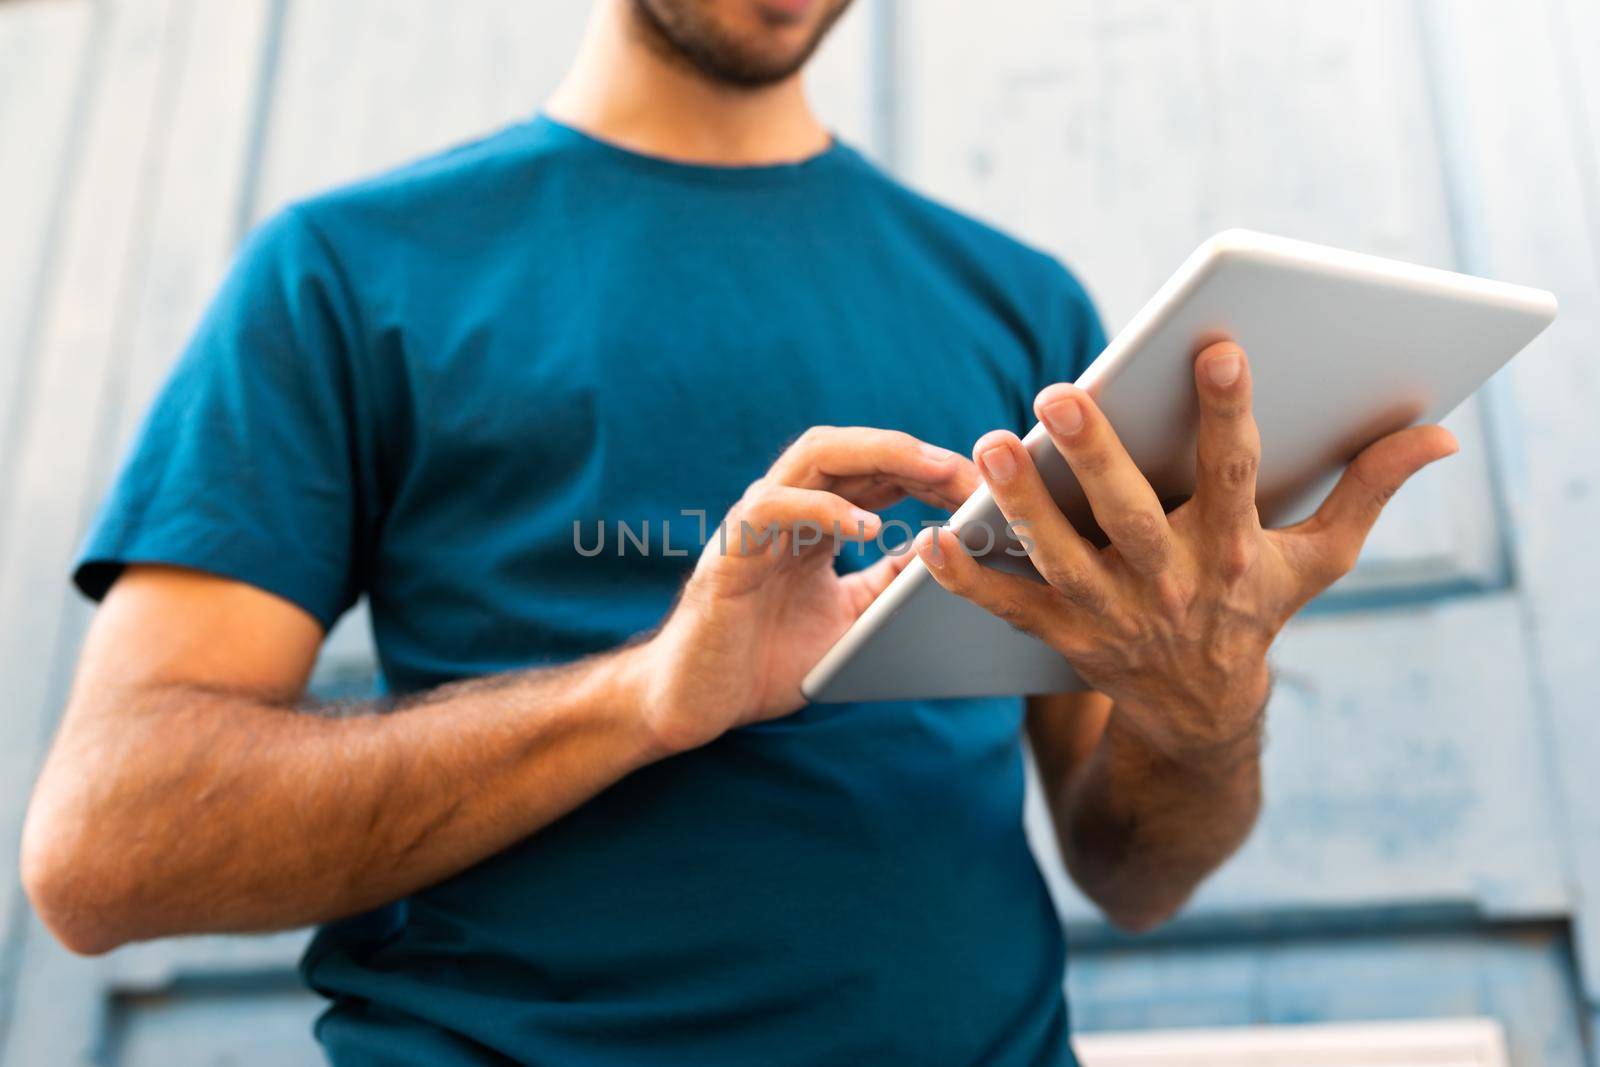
<point>760,611</point>
<point>187,792</point>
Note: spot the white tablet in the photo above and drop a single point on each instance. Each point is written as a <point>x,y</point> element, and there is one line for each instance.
<point>1343,349</point>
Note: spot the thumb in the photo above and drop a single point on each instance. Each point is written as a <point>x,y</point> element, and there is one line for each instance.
<point>1341,524</point>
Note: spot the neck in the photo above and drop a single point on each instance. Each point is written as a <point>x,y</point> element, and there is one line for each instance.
<point>622,90</point>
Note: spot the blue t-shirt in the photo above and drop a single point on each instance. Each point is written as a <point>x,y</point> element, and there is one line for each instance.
<point>412,389</point>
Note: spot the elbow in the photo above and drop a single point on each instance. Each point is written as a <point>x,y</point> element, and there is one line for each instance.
<point>65,877</point>
<point>1140,909</point>
<point>1137,921</point>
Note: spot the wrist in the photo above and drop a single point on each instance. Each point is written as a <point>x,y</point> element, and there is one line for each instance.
<point>661,712</point>
<point>1220,728</point>
<point>632,685</point>
<point>1201,767</point>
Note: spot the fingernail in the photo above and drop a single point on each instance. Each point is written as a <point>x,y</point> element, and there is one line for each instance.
<point>999,464</point>
<point>1064,416</point>
<point>1223,370</point>
<point>861,519</point>
<point>928,546</point>
<point>935,452</point>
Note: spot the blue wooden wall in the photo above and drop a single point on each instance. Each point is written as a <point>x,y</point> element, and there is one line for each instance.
<point>1431,844</point>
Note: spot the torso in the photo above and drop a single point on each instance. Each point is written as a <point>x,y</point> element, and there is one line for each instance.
<point>580,336</point>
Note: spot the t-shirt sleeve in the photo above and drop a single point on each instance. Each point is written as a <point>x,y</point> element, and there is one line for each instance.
<point>1078,334</point>
<point>246,465</point>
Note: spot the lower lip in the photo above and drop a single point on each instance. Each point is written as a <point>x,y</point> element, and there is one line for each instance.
<point>788,8</point>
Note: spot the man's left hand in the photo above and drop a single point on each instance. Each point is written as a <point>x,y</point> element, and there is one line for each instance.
<point>1173,618</point>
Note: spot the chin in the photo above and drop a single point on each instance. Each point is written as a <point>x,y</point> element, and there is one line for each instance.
<point>805,14</point>
<point>778,32</point>
<point>745,42</point>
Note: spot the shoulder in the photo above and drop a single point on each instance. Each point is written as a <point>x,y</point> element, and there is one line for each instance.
<point>1038,280</point>
<point>377,249</point>
<point>461,192</point>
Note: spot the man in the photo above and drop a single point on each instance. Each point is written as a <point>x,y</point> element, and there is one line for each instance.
<point>565,842</point>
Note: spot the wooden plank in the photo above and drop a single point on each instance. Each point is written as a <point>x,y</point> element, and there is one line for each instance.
<point>1524,134</point>
<point>43,44</point>
<point>367,84</point>
<point>149,230</point>
<point>1566,619</point>
<point>1399,768</point>
<point>60,1004</point>
<point>210,1027</point>
<point>191,209</point>
<point>1436,1042</point>
<point>59,416</point>
<point>159,966</point>
<point>1120,135</point>
<point>1575,37</point>
<point>1520,978</point>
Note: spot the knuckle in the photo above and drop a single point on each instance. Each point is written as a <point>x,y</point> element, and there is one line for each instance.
<point>1071,581</point>
<point>1237,470</point>
<point>1230,406</point>
<point>1375,493</point>
<point>1125,629</point>
<point>898,439</point>
<point>1077,645</point>
<point>754,493</point>
<point>1174,597</point>
<point>1092,459</point>
<point>1010,610</point>
<point>1142,526</point>
<point>960,581</point>
<point>814,436</point>
<point>1143,534</point>
<point>761,503</point>
<point>1236,558</point>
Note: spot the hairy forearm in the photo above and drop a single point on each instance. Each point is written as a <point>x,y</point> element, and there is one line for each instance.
<point>1141,826</point>
<point>218,811</point>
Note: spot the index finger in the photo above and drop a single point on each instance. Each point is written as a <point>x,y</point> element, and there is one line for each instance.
<point>855,459</point>
<point>1119,496</point>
